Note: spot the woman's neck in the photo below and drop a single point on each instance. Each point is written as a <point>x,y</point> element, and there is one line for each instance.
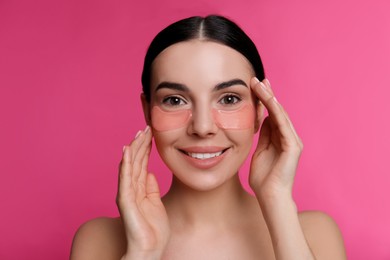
<point>201,209</point>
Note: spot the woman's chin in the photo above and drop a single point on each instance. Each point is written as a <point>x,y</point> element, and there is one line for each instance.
<point>201,183</point>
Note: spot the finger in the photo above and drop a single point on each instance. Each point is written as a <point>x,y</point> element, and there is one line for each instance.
<point>125,169</point>
<point>126,198</point>
<point>273,107</point>
<point>135,145</point>
<point>124,178</point>
<point>268,85</point>
<point>297,138</point>
<point>269,88</point>
<point>145,161</point>
<point>141,154</point>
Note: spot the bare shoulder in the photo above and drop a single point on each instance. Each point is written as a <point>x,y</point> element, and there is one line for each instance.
<point>322,234</point>
<point>100,238</point>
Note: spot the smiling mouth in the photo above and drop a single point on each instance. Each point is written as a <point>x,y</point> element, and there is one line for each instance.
<point>203,156</point>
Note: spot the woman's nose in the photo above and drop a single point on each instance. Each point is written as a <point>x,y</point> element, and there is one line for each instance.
<point>202,122</point>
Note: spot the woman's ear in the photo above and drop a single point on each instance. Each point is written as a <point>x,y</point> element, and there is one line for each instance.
<point>260,109</point>
<point>146,108</point>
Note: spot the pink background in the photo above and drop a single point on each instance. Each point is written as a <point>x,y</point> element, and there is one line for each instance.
<point>69,100</point>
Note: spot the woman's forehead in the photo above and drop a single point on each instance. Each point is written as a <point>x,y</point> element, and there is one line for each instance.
<point>201,62</point>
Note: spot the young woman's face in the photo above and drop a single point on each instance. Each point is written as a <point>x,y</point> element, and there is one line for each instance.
<point>202,112</point>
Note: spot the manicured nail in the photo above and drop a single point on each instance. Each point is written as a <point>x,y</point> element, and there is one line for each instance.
<point>138,133</point>
<point>124,147</point>
<point>257,80</point>
<point>147,129</point>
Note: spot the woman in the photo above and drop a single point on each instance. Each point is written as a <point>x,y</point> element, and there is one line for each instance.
<point>204,97</point>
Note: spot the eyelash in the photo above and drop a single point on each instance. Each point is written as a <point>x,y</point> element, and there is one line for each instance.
<point>167,101</point>
<point>238,99</point>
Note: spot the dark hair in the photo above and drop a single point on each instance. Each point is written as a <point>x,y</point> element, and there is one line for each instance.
<point>211,28</point>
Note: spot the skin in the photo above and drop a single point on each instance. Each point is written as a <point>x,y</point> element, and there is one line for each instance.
<point>208,209</point>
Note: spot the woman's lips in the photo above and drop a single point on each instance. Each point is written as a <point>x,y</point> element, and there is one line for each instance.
<point>204,157</point>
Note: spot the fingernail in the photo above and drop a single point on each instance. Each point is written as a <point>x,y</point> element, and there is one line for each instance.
<point>123,149</point>
<point>257,80</point>
<point>147,129</point>
<point>275,99</point>
<point>138,133</point>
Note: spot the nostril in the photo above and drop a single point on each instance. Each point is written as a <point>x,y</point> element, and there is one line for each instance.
<point>202,123</point>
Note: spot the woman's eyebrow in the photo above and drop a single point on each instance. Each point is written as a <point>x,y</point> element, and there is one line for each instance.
<point>184,88</point>
<point>172,85</point>
<point>229,83</point>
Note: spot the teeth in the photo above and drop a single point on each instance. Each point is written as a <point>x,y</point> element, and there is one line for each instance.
<point>202,156</point>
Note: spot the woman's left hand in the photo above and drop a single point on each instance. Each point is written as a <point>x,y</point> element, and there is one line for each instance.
<point>278,150</point>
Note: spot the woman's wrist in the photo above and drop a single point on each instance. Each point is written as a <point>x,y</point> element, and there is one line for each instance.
<point>280,212</point>
<point>134,254</point>
<point>275,196</point>
<point>141,255</point>
<point>276,208</point>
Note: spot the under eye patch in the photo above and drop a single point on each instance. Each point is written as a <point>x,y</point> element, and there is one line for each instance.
<point>242,118</point>
<point>169,120</point>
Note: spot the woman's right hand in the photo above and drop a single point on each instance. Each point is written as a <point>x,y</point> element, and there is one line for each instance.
<point>143,214</point>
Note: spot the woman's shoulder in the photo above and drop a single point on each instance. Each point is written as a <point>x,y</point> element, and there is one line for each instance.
<point>100,238</point>
<point>322,234</point>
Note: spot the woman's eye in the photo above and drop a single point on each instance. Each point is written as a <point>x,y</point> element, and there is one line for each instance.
<point>173,101</point>
<point>230,100</point>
